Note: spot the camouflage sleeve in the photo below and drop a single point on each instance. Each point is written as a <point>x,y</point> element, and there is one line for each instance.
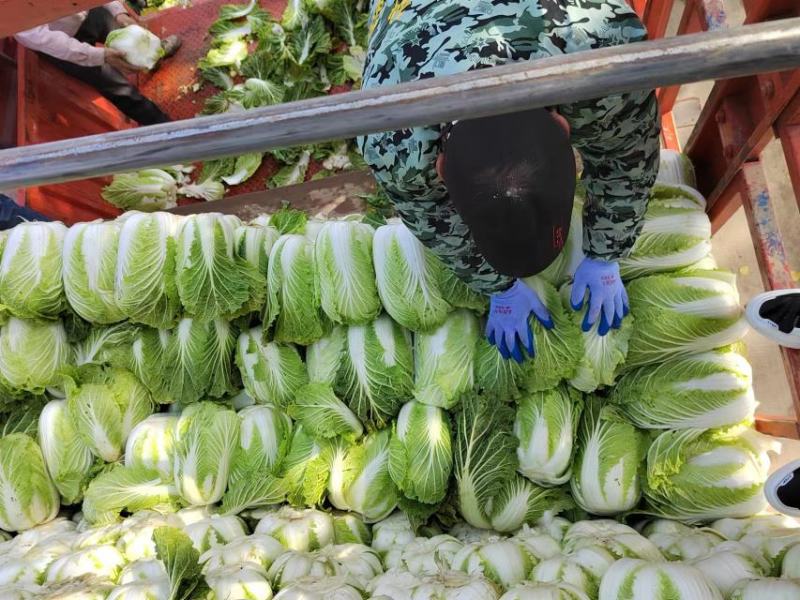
<point>618,140</point>
<point>403,163</point>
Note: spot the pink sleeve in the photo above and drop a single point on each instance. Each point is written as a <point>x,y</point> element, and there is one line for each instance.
<point>115,8</point>
<point>60,45</point>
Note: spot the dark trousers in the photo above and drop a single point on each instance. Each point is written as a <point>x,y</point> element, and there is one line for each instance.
<point>107,80</point>
<point>12,213</point>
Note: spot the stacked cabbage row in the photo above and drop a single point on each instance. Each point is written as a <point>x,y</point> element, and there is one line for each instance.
<point>314,555</point>
<point>204,362</point>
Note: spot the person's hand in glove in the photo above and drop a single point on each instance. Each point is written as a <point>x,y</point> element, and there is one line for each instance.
<point>508,326</point>
<point>608,299</point>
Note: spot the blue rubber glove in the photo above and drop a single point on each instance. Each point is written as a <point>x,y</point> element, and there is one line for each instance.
<point>508,326</point>
<point>608,299</point>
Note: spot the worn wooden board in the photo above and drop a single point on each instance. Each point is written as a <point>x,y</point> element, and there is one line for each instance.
<point>333,196</point>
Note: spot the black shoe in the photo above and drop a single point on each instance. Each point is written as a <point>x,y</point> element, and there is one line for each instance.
<point>783,489</point>
<point>171,45</point>
<point>777,316</point>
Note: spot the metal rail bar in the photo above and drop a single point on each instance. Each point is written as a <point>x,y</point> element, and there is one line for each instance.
<point>519,86</point>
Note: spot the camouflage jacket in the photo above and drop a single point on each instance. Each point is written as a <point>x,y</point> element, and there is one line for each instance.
<point>616,136</point>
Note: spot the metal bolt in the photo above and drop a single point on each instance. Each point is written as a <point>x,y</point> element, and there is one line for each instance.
<point>768,89</point>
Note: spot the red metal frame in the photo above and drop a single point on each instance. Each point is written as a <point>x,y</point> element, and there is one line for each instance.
<point>19,15</point>
<point>739,119</point>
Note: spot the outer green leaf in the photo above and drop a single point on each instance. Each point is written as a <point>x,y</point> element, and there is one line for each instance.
<point>272,373</point>
<point>712,389</point>
<point>343,257</point>
<point>126,490</point>
<point>421,454</point>
<point>182,562</point>
<point>30,270</point>
<point>483,456</point>
<point>67,458</point>
<point>408,278</point>
<point>90,265</point>
<point>292,279</point>
<point>444,360</point>
<point>213,281</point>
<point>322,414</point>
<point>27,496</point>
<point>376,369</point>
<point>206,439</point>
<point>145,285</point>
<point>608,462</point>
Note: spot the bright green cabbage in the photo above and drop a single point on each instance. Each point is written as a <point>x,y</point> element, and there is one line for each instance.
<point>375,370</point>
<point>140,47</point>
<point>27,496</point>
<point>495,376</point>
<point>545,426</point>
<point>712,389</point>
<point>213,281</point>
<point>672,237</point>
<point>147,190</point>
<point>367,487</point>
<point>520,502</point>
<point>199,360</point>
<point>421,453</point>
<point>272,373</point>
<point>90,266</point>
<point>151,445</point>
<point>557,351</point>
<point>206,438</point>
<point>145,286</point>
<point>343,257</point>
<point>681,314</point>
<point>603,356</point>
<point>67,457</point>
<point>408,277</point>
<point>444,360</point>
<point>483,456</point>
<point>294,298</point>
<point>322,414</point>
<point>33,354</point>
<point>305,469</point>
<point>699,475</point>
<point>104,406</point>
<point>606,477</point>
<point>127,489</point>
<point>30,270</point>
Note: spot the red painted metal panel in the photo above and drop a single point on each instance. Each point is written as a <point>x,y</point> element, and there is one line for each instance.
<point>656,17</point>
<point>19,15</point>
<point>55,106</point>
<point>8,93</point>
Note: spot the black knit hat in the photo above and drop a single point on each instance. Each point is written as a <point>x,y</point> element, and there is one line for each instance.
<point>512,179</point>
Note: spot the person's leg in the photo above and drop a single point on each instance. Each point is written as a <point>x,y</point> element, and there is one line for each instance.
<point>12,214</point>
<point>96,27</point>
<point>114,86</point>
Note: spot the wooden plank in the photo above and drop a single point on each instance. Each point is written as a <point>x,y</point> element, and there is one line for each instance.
<point>339,195</point>
<point>505,89</point>
<point>19,15</point>
<point>778,426</point>
<point>771,255</point>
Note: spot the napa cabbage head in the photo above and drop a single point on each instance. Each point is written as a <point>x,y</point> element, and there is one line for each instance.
<point>408,277</point>
<point>27,495</point>
<point>706,390</point>
<point>696,475</point>
<point>33,354</point>
<point>606,476</point>
<point>682,313</point>
<point>89,270</point>
<point>343,257</point>
<point>30,270</point>
<point>140,47</point>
